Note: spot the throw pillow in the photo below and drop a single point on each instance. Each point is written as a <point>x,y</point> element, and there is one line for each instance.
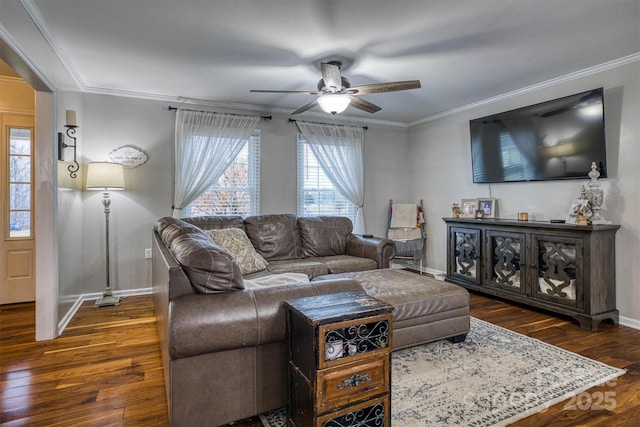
<point>236,242</point>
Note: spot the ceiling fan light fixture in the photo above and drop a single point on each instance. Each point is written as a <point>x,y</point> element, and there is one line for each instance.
<point>334,103</point>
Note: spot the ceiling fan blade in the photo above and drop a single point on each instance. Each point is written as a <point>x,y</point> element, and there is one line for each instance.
<point>331,75</point>
<point>307,92</point>
<point>385,87</point>
<point>363,105</point>
<point>304,108</point>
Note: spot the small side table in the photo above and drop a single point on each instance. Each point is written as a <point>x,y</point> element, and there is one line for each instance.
<point>339,360</point>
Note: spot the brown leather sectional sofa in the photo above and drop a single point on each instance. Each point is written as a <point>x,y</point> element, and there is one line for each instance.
<point>224,346</point>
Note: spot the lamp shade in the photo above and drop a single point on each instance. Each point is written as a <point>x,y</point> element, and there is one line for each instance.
<point>105,176</point>
<point>334,102</point>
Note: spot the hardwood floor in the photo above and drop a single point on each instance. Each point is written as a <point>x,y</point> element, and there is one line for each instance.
<point>106,370</point>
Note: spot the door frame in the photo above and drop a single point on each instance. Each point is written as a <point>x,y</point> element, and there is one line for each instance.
<point>46,211</point>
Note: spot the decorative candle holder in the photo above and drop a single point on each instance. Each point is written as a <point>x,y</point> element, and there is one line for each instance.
<point>595,195</point>
<point>71,126</point>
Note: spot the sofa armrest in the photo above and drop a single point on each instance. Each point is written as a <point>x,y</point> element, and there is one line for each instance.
<point>376,248</point>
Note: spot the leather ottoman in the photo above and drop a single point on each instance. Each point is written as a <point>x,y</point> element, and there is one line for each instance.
<point>425,309</point>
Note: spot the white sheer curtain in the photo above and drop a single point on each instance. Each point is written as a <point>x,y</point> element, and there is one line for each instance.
<point>205,145</point>
<point>340,153</point>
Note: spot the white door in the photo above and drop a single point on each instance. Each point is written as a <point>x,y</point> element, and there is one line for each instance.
<point>17,243</point>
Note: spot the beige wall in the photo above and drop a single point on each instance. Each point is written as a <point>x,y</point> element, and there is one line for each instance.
<point>109,122</point>
<point>440,157</point>
<point>16,95</point>
<point>439,172</point>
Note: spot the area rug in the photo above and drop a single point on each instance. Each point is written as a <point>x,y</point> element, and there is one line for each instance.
<point>494,378</point>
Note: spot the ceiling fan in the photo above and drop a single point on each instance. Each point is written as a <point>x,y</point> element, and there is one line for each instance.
<point>335,93</point>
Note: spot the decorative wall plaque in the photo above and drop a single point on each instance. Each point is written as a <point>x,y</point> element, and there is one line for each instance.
<point>128,156</point>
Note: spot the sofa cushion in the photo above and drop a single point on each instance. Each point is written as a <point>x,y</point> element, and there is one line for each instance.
<point>346,263</point>
<point>413,295</point>
<point>169,228</point>
<point>275,237</point>
<point>209,268</point>
<point>236,242</point>
<point>163,223</point>
<point>324,235</point>
<point>309,267</point>
<point>213,222</point>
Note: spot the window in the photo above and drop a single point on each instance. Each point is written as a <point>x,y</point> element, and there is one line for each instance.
<point>20,199</point>
<point>316,194</point>
<point>237,191</point>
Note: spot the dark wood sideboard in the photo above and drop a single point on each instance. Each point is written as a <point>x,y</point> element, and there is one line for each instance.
<point>565,268</point>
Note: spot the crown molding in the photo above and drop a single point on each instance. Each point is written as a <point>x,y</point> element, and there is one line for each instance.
<point>236,106</point>
<point>17,111</point>
<point>43,27</point>
<point>14,56</point>
<point>625,60</point>
<point>14,80</point>
<point>41,23</point>
<point>350,119</point>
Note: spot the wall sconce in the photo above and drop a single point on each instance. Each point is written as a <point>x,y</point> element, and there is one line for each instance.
<point>71,132</point>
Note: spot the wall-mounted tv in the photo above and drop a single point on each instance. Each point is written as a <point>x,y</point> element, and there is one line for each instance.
<point>552,140</point>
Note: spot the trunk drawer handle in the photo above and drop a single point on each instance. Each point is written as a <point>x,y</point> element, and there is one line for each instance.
<point>354,381</point>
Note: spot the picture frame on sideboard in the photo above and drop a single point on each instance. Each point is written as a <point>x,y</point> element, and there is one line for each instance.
<point>488,207</point>
<point>468,208</point>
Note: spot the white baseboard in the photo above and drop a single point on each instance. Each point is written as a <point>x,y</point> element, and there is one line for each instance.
<point>80,299</point>
<point>62,324</point>
<point>629,322</point>
<point>440,275</point>
<point>408,266</point>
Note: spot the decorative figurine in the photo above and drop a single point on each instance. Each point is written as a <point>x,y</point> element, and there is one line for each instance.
<point>455,210</point>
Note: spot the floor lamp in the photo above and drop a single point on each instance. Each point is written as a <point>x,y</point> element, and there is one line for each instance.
<point>106,177</point>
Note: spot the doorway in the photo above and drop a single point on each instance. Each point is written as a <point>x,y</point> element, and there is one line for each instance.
<point>35,97</point>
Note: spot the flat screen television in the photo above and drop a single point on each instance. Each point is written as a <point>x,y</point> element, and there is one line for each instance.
<point>552,140</point>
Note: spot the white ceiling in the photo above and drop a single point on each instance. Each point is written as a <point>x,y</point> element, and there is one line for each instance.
<point>463,51</point>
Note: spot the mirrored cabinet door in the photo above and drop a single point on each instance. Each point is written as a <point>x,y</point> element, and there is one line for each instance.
<point>507,253</point>
<point>465,254</point>
<point>558,270</point>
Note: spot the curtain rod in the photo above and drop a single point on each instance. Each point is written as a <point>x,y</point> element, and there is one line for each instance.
<point>206,111</point>
<point>318,123</point>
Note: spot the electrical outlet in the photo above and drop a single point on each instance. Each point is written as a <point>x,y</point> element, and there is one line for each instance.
<point>147,253</point>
